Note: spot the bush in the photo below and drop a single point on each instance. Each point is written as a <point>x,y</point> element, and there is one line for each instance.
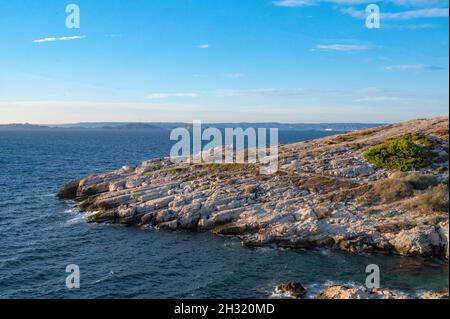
<point>416,180</point>
<point>389,190</point>
<point>250,189</point>
<point>399,186</point>
<point>399,154</point>
<point>356,146</point>
<point>421,139</point>
<point>435,199</point>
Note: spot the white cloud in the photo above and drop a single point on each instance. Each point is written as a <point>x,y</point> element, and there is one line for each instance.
<point>380,98</point>
<point>402,15</point>
<point>305,3</point>
<point>420,3</point>
<point>294,3</point>
<point>203,46</point>
<point>405,3</point>
<point>418,8</point>
<point>159,96</point>
<point>422,26</point>
<point>342,47</point>
<point>413,67</point>
<point>263,92</point>
<point>78,37</point>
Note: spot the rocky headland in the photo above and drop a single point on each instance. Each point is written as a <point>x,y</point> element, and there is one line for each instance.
<point>341,191</point>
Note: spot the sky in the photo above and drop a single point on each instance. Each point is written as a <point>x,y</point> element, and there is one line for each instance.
<point>292,61</point>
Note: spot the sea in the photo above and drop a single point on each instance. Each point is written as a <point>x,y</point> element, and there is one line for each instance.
<point>41,235</point>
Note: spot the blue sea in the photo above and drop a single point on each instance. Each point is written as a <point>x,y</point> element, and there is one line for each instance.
<point>40,235</point>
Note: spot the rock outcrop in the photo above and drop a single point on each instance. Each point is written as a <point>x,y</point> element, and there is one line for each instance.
<point>294,289</point>
<point>347,292</point>
<point>323,195</point>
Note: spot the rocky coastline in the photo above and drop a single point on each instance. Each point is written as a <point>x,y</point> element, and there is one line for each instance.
<point>295,290</point>
<point>325,194</point>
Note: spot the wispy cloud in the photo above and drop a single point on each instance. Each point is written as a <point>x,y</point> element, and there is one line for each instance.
<point>413,67</point>
<point>375,94</point>
<point>77,37</point>
<point>293,3</point>
<point>422,26</point>
<point>342,47</point>
<point>418,9</point>
<point>380,98</point>
<point>159,96</point>
<point>404,3</point>
<point>263,92</point>
<point>203,46</point>
<point>402,15</point>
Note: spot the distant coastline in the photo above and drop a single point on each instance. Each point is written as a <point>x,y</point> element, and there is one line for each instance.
<point>338,127</point>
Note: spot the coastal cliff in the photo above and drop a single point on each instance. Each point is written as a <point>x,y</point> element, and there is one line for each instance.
<point>382,189</point>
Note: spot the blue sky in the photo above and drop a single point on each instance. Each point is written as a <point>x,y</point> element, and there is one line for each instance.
<point>222,61</point>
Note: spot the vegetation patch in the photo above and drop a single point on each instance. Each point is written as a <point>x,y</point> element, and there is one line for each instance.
<point>400,186</point>
<point>250,189</point>
<point>356,146</point>
<point>416,180</point>
<point>344,138</point>
<point>401,154</point>
<point>390,190</point>
<point>435,199</point>
<point>441,133</point>
<point>421,139</point>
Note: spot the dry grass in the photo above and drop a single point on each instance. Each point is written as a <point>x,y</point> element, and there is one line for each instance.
<point>441,133</point>
<point>399,186</point>
<point>416,180</point>
<point>250,189</point>
<point>435,199</point>
<point>323,184</point>
<point>390,190</point>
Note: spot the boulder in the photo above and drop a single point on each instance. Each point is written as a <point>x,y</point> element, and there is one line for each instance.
<point>69,190</point>
<point>342,292</point>
<point>442,294</point>
<point>293,289</point>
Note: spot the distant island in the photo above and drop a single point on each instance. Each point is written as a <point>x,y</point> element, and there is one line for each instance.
<point>338,127</point>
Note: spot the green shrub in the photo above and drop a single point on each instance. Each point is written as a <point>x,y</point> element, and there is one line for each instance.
<point>356,146</point>
<point>399,154</point>
<point>344,138</point>
<point>421,139</point>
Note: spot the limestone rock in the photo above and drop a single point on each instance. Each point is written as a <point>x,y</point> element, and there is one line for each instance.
<point>293,289</point>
